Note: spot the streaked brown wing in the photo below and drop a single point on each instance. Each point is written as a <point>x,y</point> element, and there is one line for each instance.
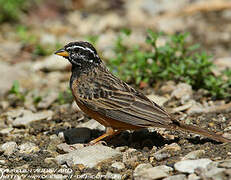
<point>125,104</point>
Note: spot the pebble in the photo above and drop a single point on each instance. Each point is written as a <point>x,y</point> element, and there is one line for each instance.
<point>188,166</point>
<point>194,154</point>
<point>193,177</point>
<point>165,151</point>
<point>215,173</point>
<point>63,147</point>
<point>118,165</point>
<point>8,148</point>
<point>225,164</point>
<point>183,91</point>
<point>89,156</point>
<point>28,117</point>
<point>146,171</point>
<point>141,167</point>
<point>176,177</point>
<point>6,131</point>
<point>28,148</point>
<point>93,124</point>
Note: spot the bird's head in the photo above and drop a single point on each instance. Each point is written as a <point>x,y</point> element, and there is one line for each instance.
<point>80,53</point>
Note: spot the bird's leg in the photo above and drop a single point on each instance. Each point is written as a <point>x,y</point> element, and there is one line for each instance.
<point>109,132</point>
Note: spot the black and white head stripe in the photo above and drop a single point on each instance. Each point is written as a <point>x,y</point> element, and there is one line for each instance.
<point>85,46</point>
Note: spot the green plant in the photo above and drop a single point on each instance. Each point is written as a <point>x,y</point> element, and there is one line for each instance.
<point>15,89</point>
<point>65,97</point>
<point>12,9</point>
<point>174,60</point>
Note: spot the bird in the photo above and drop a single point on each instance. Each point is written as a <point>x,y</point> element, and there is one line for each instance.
<point>111,101</point>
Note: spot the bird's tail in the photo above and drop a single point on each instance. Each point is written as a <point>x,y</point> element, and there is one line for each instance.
<point>197,130</point>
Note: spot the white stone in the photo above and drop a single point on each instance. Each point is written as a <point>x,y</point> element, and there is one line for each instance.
<point>28,148</point>
<point>118,165</point>
<point>89,156</point>
<point>9,147</point>
<point>29,117</point>
<point>188,166</point>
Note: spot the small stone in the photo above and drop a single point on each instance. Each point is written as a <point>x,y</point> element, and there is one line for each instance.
<point>193,177</point>
<point>118,165</point>
<point>168,87</point>
<point>161,155</point>
<point>49,160</point>
<point>28,148</point>
<point>121,148</point>
<point>215,173</point>
<point>68,148</point>
<point>225,164</point>
<point>176,177</point>
<point>9,148</point>
<point>2,162</point>
<point>6,131</point>
<point>27,117</point>
<point>147,172</point>
<point>140,168</point>
<point>93,124</point>
<point>183,91</point>
<point>194,155</point>
<point>188,166</point>
<point>89,156</point>
<point>165,152</point>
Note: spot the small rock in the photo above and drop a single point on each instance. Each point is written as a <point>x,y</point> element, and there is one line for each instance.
<point>188,166</point>
<point>193,177</point>
<point>160,100</point>
<point>6,131</point>
<point>51,63</point>
<point>118,165</point>
<point>165,152</point>
<point>9,148</point>
<point>28,117</point>
<point>215,173</point>
<point>147,172</point>
<point>93,124</point>
<point>89,156</point>
<point>168,87</point>
<point>194,155</point>
<point>225,164</point>
<point>140,168</point>
<point>28,148</point>
<point>48,100</point>
<point>161,155</point>
<point>68,148</point>
<point>176,177</point>
<point>183,91</point>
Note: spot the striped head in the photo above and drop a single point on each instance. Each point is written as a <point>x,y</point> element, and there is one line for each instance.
<point>80,53</point>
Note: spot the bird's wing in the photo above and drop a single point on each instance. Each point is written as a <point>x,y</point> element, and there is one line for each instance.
<point>121,102</point>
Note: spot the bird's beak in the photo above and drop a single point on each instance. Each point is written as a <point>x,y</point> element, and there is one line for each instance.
<point>62,52</point>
